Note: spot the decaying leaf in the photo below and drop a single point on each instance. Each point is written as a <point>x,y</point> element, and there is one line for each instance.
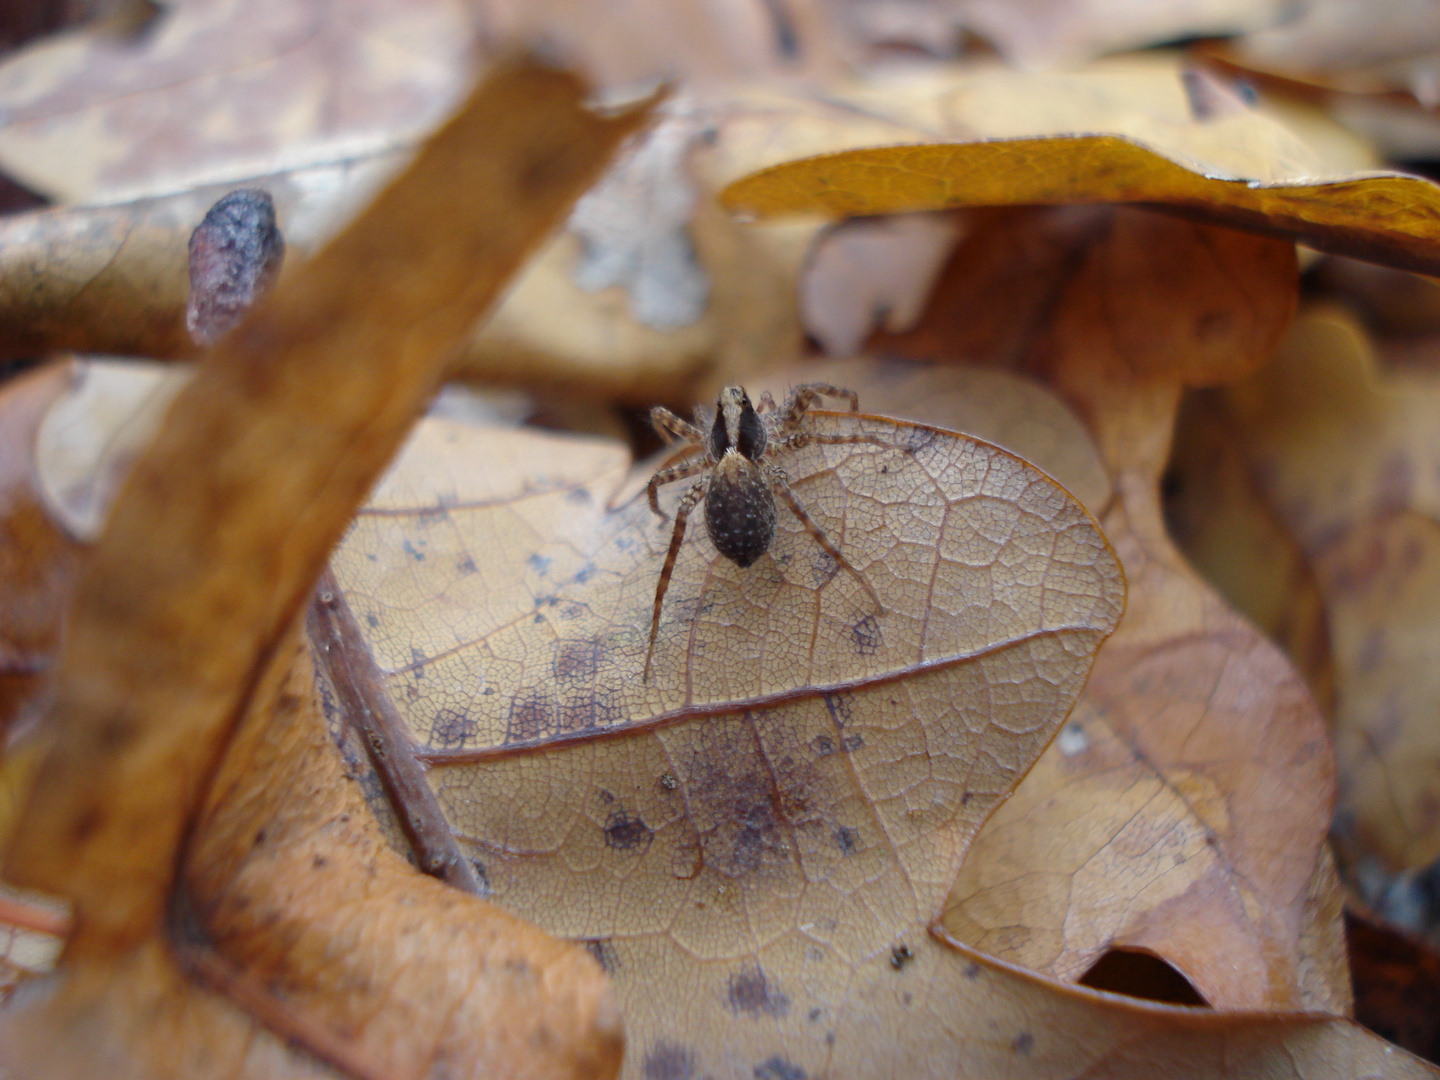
<point>261,462</point>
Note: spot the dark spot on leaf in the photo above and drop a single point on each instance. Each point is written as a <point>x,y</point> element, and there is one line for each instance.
<point>625,833</point>
<point>584,574</point>
<point>259,837</point>
<point>847,839</point>
<point>409,549</point>
<point>452,728</point>
<point>539,563</point>
<point>669,1061</point>
<point>824,745</point>
<point>605,796</point>
<point>465,566</point>
<point>777,1068</point>
<point>418,660</point>
<point>900,955</point>
<point>668,782</point>
<point>576,660</point>
<point>814,1014</point>
<point>372,620</point>
<point>866,633</point>
<point>1023,1043</point>
<point>588,712</point>
<point>972,970</point>
<point>750,993</point>
<point>319,861</point>
<point>579,495</point>
<point>840,707</point>
<point>965,798</point>
<point>853,743</point>
<point>532,717</point>
<point>604,953</point>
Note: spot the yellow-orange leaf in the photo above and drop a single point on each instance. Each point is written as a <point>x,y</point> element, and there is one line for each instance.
<point>1387,218</point>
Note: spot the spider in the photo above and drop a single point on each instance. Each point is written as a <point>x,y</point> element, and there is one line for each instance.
<point>740,478</point>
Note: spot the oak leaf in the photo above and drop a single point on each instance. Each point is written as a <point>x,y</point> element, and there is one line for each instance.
<point>766,828</point>
<point>1146,826</point>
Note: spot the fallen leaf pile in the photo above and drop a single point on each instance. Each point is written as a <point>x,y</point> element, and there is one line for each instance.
<point>332,749</point>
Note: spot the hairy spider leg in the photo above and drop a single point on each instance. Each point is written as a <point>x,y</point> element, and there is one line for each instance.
<point>668,476</point>
<point>781,486</point>
<point>805,397</point>
<point>682,514</point>
<point>823,438</point>
<point>673,429</point>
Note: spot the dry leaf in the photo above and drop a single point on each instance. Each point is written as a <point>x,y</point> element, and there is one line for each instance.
<point>872,272</point>
<point>1016,413</point>
<point>692,807</point>
<point>257,470</point>
<point>1149,824</point>
<point>1217,513</point>
<point>1061,33</point>
<point>219,90</point>
<point>766,828</point>
<point>1383,218</point>
<point>37,558</point>
<point>1343,451</point>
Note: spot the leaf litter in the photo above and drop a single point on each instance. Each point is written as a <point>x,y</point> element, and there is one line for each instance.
<point>294,415</point>
<point>1311,1047</point>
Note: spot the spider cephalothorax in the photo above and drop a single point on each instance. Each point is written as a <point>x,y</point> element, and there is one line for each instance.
<point>733,454</point>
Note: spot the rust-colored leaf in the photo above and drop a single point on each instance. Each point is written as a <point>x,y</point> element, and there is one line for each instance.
<point>256,471</point>
<point>1193,779</point>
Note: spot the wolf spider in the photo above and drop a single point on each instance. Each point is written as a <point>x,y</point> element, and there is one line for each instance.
<point>739,478</point>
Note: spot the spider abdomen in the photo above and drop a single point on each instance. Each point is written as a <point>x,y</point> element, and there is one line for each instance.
<point>740,509</point>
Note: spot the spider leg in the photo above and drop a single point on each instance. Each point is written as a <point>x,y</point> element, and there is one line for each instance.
<point>804,438</point>
<point>806,396</point>
<point>682,513</point>
<point>781,486</point>
<point>669,475</point>
<point>672,429</point>
<point>766,403</point>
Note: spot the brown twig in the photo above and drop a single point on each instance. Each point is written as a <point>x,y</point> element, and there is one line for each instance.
<point>347,660</point>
